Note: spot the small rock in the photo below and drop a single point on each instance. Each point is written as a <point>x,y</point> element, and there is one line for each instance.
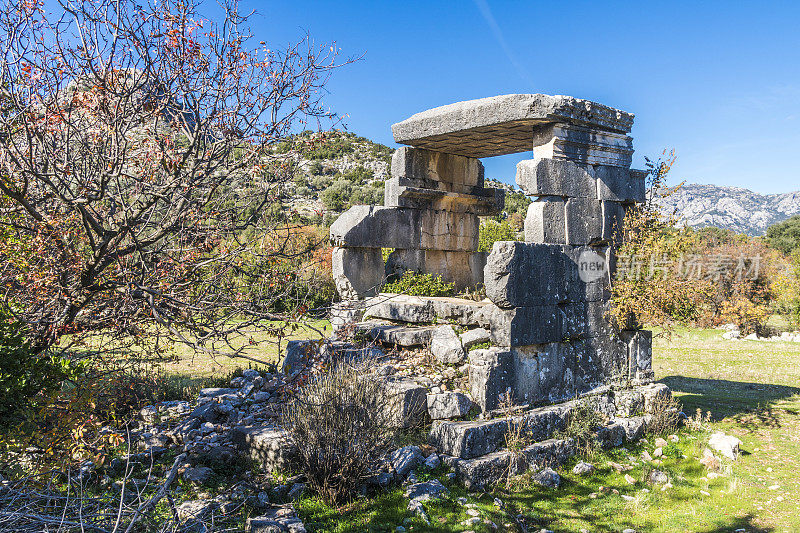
<point>432,462</point>
<point>630,479</point>
<point>429,490</point>
<point>660,443</point>
<point>646,456</point>
<point>406,459</point>
<point>583,468</point>
<point>446,345</point>
<point>657,477</point>
<point>658,452</point>
<point>200,475</point>
<point>727,445</point>
<point>547,478</point>
<point>296,491</point>
<point>673,438</point>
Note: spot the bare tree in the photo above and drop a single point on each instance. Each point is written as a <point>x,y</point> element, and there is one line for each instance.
<point>140,184</point>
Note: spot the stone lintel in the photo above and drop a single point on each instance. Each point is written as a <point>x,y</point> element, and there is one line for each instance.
<point>502,125</point>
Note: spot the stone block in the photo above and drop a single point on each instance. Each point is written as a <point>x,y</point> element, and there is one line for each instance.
<point>364,226</point>
<point>459,172</point>
<point>448,405</point>
<point>357,272</point>
<point>522,326</point>
<point>556,177</point>
<point>465,269</point>
<point>619,184</point>
<point>397,335</point>
<point>423,309</point>
<point>269,446</point>
<point>346,314</point>
<point>556,380</point>
<point>477,200</point>
<point>490,374</point>
<point>299,354</point>
<point>545,221</point>
<point>525,274</point>
<point>587,273</point>
<point>409,404</point>
<point>588,371</point>
<point>610,353</point>
<point>446,345</point>
<point>502,124</point>
<point>640,353</point>
<point>582,145</point>
<point>613,217</point>
<point>474,336</point>
<point>574,317</point>
<point>584,218</point>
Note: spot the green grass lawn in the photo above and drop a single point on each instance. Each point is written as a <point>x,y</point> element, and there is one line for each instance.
<point>751,390</point>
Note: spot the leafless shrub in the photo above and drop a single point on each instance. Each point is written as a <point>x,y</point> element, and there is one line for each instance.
<point>341,422</point>
<point>582,425</point>
<point>664,410</point>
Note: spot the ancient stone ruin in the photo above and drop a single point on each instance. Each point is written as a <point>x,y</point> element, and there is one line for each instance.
<point>545,312</point>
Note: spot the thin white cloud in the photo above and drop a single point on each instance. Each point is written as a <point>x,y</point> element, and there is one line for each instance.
<point>486,12</point>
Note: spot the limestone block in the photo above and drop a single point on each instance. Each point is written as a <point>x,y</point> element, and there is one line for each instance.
<point>556,177</point>
<point>555,380</point>
<point>613,215</point>
<point>639,185</point>
<point>465,269</point>
<point>598,323</point>
<point>423,309</point>
<point>460,172</point>
<point>346,314</point>
<point>525,274</point>
<point>446,345</point>
<point>270,446</point>
<point>611,354</point>
<point>522,326</point>
<point>502,124</point>
<point>397,335</point>
<point>574,318</point>
<point>619,184</point>
<point>640,353</point>
<point>582,145</point>
<point>476,200</point>
<point>584,217</point>
<point>474,336</point>
<point>588,373</point>
<point>490,374</point>
<point>588,277</point>
<point>357,272</point>
<point>394,227</point>
<point>545,221</point>
<point>524,382</point>
<point>448,405</point>
<point>409,405</point>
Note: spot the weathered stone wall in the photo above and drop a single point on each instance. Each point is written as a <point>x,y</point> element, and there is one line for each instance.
<point>430,219</point>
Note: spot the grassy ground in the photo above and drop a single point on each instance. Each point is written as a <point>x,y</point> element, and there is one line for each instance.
<point>751,390</point>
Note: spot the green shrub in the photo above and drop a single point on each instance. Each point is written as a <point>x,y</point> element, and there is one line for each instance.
<point>785,236</point>
<point>492,231</point>
<point>337,196</point>
<point>24,376</point>
<point>415,284</point>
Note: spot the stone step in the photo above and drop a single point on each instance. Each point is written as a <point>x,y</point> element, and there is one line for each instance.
<point>467,440</point>
<point>398,335</point>
<point>423,309</point>
<point>482,472</point>
<point>479,473</point>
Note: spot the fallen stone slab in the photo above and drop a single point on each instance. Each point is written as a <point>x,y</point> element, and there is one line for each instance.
<point>270,446</point>
<point>448,405</point>
<point>404,336</point>
<point>430,490</point>
<point>423,309</point>
<point>502,124</point>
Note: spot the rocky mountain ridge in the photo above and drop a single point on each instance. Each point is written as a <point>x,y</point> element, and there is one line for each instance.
<point>734,208</point>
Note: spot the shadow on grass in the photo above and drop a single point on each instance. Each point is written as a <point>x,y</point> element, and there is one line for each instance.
<point>747,403</point>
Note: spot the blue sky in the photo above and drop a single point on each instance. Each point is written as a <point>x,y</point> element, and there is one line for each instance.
<point>719,81</point>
